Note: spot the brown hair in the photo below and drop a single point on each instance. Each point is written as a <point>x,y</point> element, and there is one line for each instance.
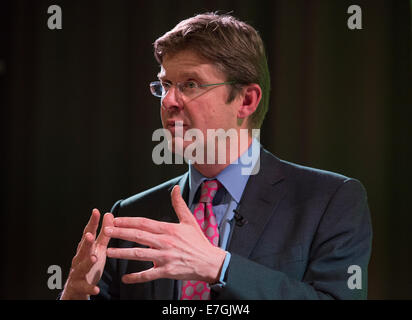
<point>233,46</point>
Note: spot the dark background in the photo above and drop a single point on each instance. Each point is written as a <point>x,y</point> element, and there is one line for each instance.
<point>77,118</point>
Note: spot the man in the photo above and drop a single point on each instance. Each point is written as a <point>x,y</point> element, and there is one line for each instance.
<point>283,231</point>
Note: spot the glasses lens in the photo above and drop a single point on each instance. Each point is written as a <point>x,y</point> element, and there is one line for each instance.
<point>189,88</point>
<point>156,89</point>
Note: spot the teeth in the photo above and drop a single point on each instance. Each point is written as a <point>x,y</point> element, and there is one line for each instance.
<point>179,123</point>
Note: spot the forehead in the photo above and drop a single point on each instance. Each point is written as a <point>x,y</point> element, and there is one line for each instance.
<point>187,64</point>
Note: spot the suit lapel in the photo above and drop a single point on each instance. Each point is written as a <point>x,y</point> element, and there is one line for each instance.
<point>184,186</point>
<point>260,198</point>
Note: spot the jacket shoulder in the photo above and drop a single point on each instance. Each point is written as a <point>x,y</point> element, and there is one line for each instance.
<point>304,177</point>
<point>148,202</point>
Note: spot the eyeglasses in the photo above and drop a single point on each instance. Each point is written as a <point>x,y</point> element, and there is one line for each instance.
<point>189,89</point>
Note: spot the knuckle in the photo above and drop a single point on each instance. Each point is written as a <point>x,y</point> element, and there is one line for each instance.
<point>141,221</point>
<point>137,253</point>
<point>168,242</point>
<point>170,229</point>
<point>145,276</point>
<point>170,270</point>
<point>83,278</point>
<point>137,235</point>
<point>75,261</point>
<point>162,257</point>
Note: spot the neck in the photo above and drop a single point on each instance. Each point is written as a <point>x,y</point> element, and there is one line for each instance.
<point>212,170</point>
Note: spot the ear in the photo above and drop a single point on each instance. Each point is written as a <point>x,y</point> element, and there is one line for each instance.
<point>251,97</point>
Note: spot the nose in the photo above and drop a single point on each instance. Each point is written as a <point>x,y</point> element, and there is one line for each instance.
<point>172,99</point>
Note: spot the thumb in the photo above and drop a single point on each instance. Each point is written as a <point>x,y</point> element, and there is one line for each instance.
<point>182,211</point>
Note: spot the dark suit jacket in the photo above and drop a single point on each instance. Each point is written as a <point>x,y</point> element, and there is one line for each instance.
<point>305,228</point>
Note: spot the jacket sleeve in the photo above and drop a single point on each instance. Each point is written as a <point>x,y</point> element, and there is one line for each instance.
<point>337,263</point>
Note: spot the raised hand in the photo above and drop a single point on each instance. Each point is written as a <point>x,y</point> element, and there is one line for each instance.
<point>177,250</point>
<point>89,261</point>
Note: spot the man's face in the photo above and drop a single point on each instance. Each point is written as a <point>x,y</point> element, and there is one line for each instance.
<point>208,109</point>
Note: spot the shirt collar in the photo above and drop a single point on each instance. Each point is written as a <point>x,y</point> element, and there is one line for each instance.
<point>233,178</point>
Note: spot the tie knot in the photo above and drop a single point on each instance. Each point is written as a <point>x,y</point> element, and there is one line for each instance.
<point>208,190</point>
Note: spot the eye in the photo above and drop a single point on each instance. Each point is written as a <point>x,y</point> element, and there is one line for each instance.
<point>190,85</point>
<point>166,85</point>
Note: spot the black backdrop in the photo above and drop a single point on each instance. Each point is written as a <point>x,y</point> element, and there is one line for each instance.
<point>77,118</point>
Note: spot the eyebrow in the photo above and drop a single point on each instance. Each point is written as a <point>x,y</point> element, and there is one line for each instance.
<point>184,74</point>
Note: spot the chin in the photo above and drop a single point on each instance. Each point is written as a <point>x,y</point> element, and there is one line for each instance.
<point>179,146</point>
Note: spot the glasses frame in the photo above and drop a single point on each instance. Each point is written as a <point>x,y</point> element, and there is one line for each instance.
<point>179,86</point>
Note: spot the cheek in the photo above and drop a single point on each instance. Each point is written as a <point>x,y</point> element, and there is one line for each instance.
<point>222,117</point>
<point>162,118</point>
<point>164,115</point>
<point>209,114</point>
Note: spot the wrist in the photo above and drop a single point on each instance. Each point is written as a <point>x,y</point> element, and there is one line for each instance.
<point>216,266</point>
<point>73,296</point>
<point>70,294</point>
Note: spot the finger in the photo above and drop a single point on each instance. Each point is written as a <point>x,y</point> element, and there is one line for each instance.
<point>140,254</point>
<point>182,211</point>
<point>134,235</point>
<point>93,223</point>
<point>84,249</point>
<point>93,290</point>
<point>143,276</point>
<point>103,239</point>
<point>86,264</point>
<point>90,289</point>
<point>91,226</point>
<point>84,288</point>
<point>145,224</point>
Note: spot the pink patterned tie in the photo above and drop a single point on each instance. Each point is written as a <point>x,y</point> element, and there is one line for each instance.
<point>200,290</point>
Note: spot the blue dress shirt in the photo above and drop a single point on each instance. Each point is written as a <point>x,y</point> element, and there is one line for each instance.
<point>233,178</point>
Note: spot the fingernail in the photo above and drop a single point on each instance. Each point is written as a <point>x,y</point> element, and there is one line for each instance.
<point>108,230</point>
